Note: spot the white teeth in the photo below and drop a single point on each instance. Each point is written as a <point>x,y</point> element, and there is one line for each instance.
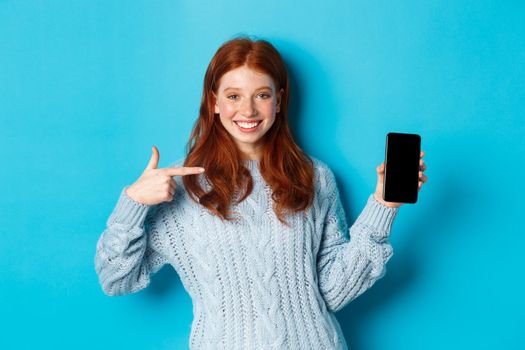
<point>247,125</point>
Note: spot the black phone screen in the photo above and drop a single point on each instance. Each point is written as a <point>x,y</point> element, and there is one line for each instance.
<point>402,157</point>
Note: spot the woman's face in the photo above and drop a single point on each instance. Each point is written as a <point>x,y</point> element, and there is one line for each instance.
<point>247,102</point>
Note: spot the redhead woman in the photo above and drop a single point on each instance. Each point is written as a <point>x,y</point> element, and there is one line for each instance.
<point>252,224</point>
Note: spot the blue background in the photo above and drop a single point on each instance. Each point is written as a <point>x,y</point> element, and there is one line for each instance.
<point>87,87</point>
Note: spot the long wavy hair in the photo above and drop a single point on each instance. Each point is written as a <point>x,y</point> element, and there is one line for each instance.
<point>287,170</point>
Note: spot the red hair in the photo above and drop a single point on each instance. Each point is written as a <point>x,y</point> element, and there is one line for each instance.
<point>287,170</point>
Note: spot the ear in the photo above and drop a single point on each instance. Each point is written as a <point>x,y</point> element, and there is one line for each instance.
<point>215,103</point>
<point>279,98</point>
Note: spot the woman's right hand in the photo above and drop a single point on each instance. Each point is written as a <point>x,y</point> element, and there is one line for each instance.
<point>155,186</point>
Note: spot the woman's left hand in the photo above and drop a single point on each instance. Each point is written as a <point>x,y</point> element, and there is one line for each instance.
<point>381,176</point>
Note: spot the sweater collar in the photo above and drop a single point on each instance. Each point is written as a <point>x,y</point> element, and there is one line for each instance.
<point>251,164</point>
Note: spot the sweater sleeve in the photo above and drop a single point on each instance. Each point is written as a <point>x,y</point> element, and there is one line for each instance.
<point>348,267</point>
<point>130,248</point>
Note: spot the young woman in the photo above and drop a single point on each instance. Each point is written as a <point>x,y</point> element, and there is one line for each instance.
<point>259,238</point>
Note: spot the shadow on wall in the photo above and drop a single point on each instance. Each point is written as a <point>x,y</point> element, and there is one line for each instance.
<point>411,258</point>
<point>163,283</point>
<point>304,71</point>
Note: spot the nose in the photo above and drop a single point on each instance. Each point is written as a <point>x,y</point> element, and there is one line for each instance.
<point>248,108</point>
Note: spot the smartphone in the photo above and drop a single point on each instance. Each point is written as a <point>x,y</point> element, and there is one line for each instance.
<point>402,155</point>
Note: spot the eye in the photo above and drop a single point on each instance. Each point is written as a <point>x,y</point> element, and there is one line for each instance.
<point>233,97</point>
<point>265,96</point>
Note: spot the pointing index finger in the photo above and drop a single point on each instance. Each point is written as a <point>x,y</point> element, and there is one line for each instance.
<point>182,171</point>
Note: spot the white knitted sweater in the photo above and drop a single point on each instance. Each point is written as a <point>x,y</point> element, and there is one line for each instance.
<point>255,284</point>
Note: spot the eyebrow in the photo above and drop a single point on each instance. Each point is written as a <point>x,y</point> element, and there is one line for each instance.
<point>260,88</point>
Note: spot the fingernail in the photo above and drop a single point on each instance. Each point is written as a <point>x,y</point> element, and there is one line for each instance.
<point>201,170</point>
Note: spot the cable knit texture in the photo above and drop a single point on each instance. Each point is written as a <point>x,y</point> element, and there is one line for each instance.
<point>255,283</point>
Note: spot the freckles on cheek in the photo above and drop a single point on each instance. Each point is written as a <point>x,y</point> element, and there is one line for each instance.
<point>227,110</point>
<point>270,110</point>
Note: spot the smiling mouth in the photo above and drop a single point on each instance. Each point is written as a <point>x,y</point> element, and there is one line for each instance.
<point>248,126</point>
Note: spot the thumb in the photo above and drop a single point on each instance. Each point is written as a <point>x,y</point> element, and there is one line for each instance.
<point>154,160</point>
<point>381,168</point>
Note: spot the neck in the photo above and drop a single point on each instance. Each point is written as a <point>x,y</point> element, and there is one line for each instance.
<point>254,154</point>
